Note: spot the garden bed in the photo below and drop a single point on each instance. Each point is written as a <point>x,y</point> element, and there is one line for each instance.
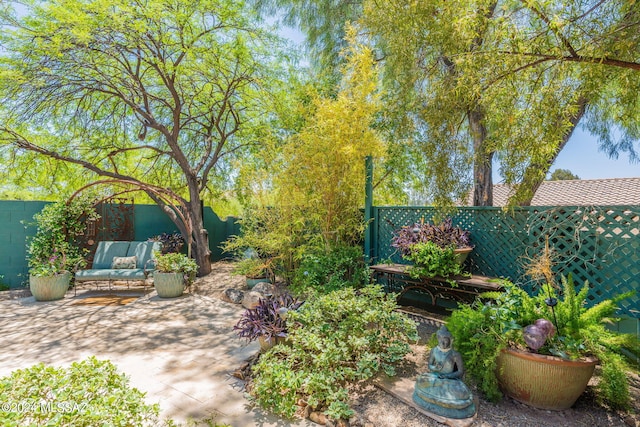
<point>375,407</point>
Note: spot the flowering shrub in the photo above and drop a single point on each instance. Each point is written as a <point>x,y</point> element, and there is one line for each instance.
<point>88,393</point>
<point>52,249</point>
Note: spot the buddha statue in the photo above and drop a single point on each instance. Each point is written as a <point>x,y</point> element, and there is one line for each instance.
<point>441,390</point>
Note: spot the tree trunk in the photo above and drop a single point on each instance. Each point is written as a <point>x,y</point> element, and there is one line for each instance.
<point>200,244</point>
<point>536,173</point>
<point>483,161</point>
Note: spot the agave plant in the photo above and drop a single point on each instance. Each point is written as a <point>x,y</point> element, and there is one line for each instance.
<point>267,319</point>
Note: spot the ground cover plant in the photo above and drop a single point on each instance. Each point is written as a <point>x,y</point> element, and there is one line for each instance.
<point>335,340</point>
<point>88,393</point>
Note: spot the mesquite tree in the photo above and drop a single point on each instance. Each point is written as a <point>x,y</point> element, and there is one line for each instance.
<point>156,94</point>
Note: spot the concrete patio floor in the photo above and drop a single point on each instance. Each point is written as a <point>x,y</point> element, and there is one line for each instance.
<point>179,351</point>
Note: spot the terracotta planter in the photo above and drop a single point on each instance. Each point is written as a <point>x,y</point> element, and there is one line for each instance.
<point>462,254</point>
<point>168,285</point>
<point>544,382</point>
<point>267,344</point>
<point>49,288</point>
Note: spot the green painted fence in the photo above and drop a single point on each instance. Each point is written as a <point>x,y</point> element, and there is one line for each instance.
<point>149,220</point>
<point>600,244</point>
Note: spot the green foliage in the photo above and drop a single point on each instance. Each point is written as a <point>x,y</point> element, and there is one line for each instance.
<point>562,174</point>
<point>311,198</point>
<point>481,330</point>
<point>90,392</point>
<point>430,260</point>
<point>52,249</point>
<point>174,262</point>
<point>479,79</point>
<point>273,239</point>
<point>3,286</point>
<point>325,272</point>
<point>161,96</point>
<point>336,340</point>
<point>253,268</point>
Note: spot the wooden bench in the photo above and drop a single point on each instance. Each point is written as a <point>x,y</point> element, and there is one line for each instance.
<point>396,279</point>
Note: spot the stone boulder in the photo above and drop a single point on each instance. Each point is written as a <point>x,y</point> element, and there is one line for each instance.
<point>251,299</point>
<point>264,288</point>
<point>233,295</point>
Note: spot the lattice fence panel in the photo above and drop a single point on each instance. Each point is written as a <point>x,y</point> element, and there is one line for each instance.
<point>598,244</point>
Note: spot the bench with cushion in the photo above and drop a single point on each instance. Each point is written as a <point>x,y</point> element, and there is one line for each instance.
<point>120,260</point>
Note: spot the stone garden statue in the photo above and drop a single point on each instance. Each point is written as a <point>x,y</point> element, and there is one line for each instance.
<point>441,390</point>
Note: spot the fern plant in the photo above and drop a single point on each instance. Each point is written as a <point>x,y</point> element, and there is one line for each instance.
<point>483,330</point>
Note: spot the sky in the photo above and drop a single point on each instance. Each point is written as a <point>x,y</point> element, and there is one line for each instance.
<point>582,157</point>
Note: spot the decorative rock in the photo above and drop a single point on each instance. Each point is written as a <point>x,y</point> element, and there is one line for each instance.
<point>233,295</point>
<point>318,418</point>
<point>264,288</point>
<point>251,299</point>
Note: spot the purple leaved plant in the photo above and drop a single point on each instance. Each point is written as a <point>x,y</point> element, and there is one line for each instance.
<point>267,319</point>
<point>443,235</point>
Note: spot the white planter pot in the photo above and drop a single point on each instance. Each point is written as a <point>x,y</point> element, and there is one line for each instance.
<point>168,285</point>
<point>49,288</point>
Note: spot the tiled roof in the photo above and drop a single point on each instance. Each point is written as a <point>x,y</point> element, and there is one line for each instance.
<point>579,192</point>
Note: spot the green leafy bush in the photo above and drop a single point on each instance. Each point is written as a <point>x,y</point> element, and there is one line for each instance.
<point>3,286</point>
<point>341,338</point>
<point>173,262</point>
<point>431,260</point>
<point>53,249</point>
<point>88,393</point>
<point>329,271</point>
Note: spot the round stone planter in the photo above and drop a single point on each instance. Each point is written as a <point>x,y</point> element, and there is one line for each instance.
<point>49,288</point>
<point>544,382</point>
<point>168,285</point>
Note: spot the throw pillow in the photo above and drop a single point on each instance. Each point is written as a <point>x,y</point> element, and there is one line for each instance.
<point>123,262</point>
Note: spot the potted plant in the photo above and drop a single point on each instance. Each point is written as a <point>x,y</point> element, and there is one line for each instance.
<point>541,349</point>
<point>174,271</point>
<point>170,242</point>
<point>255,270</point>
<point>435,250</point>
<point>267,322</point>
<point>52,251</point>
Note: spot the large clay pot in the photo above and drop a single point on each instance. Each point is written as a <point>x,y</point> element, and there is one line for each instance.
<point>168,285</point>
<point>49,288</point>
<point>544,382</point>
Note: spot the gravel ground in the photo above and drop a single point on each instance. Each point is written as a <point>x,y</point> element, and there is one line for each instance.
<point>376,408</point>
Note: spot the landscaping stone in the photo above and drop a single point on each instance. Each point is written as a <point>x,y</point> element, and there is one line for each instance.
<point>233,295</point>
<point>264,288</point>
<point>251,299</point>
